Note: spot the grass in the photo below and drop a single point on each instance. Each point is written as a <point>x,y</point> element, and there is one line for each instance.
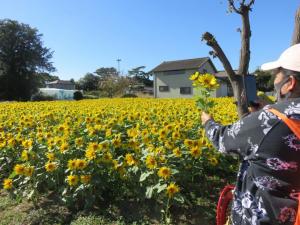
<point>21,211</point>
<point>49,210</point>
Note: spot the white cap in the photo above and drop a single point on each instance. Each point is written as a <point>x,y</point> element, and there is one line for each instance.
<point>289,59</point>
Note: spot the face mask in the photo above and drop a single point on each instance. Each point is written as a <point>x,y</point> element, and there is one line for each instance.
<point>280,97</point>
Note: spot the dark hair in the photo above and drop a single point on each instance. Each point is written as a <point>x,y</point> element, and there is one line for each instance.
<point>287,72</point>
<point>295,74</point>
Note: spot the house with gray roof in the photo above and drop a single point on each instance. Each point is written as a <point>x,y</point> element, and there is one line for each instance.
<point>249,82</point>
<point>61,84</point>
<point>171,78</point>
<point>223,77</point>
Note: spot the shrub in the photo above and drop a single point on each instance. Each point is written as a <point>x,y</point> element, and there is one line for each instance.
<point>129,96</point>
<point>94,93</point>
<point>42,97</point>
<point>90,97</point>
<point>89,220</point>
<point>77,95</point>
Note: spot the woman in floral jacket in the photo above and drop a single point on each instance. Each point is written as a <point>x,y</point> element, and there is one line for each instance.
<point>269,177</point>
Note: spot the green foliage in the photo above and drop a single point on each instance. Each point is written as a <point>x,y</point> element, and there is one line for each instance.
<point>203,101</point>
<point>129,96</point>
<point>264,81</point>
<point>77,95</point>
<point>89,82</point>
<point>41,97</point>
<point>90,97</point>
<point>89,220</point>
<point>22,56</point>
<point>114,86</point>
<point>104,82</point>
<point>106,72</point>
<point>117,180</point>
<point>205,84</point>
<point>141,76</point>
<point>43,78</point>
<point>93,93</point>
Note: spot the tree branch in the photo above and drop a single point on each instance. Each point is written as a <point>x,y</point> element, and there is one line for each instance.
<point>232,7</point>
<point>245,44</point>
<point>296,34</point>
<point>242,7</point>
<point>250,4</point>
<point>211,41</point>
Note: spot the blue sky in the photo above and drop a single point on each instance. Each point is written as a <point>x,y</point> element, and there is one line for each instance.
<point>88,34</point>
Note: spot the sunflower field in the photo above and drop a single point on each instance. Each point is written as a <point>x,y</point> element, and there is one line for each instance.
<point>97,150</point>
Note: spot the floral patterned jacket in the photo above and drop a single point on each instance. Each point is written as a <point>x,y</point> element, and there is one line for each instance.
<point>269,174</point>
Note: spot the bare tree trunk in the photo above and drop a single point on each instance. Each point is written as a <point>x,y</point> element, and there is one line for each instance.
<point>296,35</point>
<point>236,79</point>
<point>245,43</point>
<point>240,95</point>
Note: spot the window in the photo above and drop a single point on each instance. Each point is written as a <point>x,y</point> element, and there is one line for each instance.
<point>185,90</point>
<point>163,88</point>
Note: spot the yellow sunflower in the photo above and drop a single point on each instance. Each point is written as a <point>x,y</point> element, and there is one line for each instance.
<point>7,183</point>
<point>164,172</point>
<point>172,189</point>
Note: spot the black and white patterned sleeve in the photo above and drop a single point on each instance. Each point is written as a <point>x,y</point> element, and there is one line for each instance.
<point>240,138</point>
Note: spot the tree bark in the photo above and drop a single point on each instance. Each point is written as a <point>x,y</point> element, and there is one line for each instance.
<point>218,52</point>
<point>245,45</point>
<point>296,34</point>
<point>236,79</point>
<point>239,92</point>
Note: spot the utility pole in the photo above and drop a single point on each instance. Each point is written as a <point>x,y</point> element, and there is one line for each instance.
<point>119,61</point>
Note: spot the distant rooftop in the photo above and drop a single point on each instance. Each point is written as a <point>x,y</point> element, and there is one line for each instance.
<point>182,64</point>
<point>223,74</point>
<point>60,82</point>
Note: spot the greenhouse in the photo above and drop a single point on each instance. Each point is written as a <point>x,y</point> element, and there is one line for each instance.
<point>60,94</point>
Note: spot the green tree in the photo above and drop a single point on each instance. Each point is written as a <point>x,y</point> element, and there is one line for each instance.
<point>43,78</point>
<point>264,81</point>
<point>110,82</point>
<point>106,72</point>
<point>141,76</point>
<point>22,57</point>
<point>113,86</point>
<point>89,82</point>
